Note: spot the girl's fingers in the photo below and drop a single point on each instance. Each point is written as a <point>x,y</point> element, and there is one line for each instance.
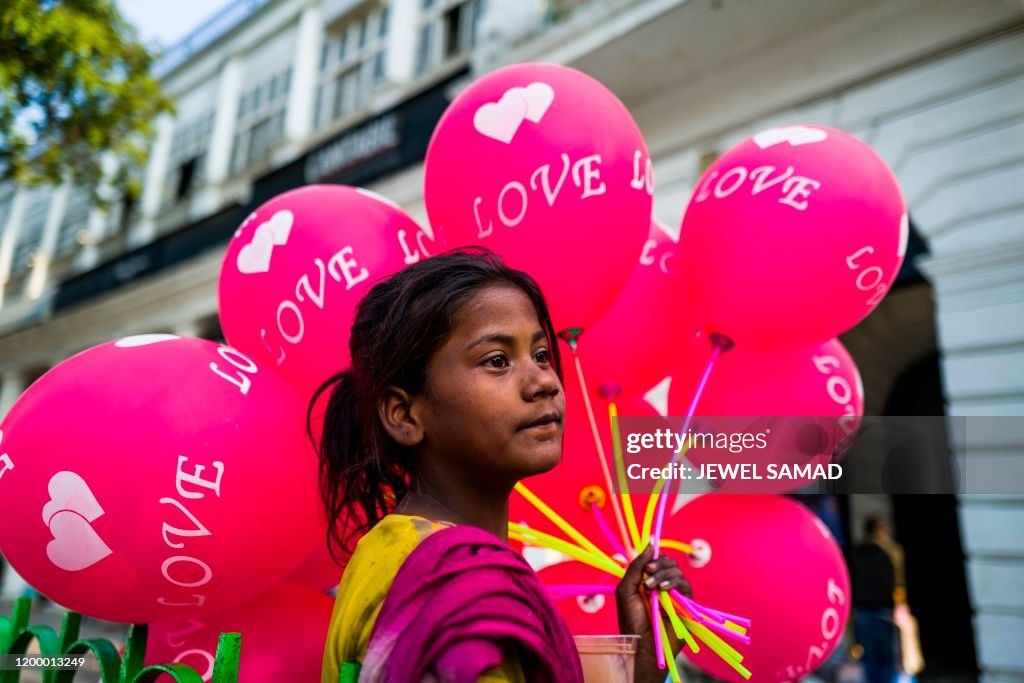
<point>666,578</point>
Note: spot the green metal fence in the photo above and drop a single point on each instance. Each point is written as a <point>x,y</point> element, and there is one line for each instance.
<point>16,636</point>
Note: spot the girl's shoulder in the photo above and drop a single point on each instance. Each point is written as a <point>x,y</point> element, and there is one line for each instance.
<point>365,583</point>
<point>400,529</point>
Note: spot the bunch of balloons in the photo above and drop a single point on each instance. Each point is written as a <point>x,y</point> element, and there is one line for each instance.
<point>167,480</point>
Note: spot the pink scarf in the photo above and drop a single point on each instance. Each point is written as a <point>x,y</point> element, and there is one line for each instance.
<point>460,600</point>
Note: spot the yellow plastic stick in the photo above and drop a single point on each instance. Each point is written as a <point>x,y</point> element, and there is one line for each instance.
<point>735,628</point>
<point>542,540</point>
<point>677,545</point>
<point>533,537</point>
<point>670,658</point>
<point>677,625</point>
<point>570,551</point>
<point>719,647</point>
<point>620,471</point>
<point>557,520</point>
<point>652,503</point>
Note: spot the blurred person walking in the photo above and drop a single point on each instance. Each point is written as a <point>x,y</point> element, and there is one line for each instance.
<point>876,570</point>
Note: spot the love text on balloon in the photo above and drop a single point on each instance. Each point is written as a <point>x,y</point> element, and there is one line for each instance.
<point>180,570</point>
<point>794,189</point>
<point>513,200</point>
<point>6,464</point>
<point>291,325</point>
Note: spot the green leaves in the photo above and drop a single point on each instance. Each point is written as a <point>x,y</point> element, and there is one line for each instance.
<point>74,82</point>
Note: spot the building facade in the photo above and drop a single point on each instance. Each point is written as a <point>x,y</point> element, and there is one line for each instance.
<point>273,94</point>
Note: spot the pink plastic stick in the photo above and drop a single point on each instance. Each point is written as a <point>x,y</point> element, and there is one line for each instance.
<point>695,607</point>
<point>659,518</point>
<point>659,650</point>
<point>723,630</point>
<point>607,531</point>
<point>581,589</point>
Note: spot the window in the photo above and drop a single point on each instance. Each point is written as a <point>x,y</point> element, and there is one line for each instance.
<point>356,68</point>
<point>448,30</point>
<point>189,148</point>
<point>30,233</point>
<point>261,114</point>
<point>75,221</point>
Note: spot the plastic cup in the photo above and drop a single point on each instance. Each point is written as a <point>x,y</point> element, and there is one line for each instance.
<point>607,659</point>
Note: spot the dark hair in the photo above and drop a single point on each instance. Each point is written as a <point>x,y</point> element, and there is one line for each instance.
<point>873,523</point>
<point>399,325</point>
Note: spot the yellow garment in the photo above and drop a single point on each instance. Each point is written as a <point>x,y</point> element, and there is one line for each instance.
<point>365,584</point>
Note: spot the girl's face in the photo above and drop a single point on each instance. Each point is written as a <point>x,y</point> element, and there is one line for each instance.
<point>492,404</point>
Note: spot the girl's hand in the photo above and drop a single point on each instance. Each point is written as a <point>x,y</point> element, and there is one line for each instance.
<point>633,599</point>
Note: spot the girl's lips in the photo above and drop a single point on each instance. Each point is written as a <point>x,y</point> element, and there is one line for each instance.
<point>543,421</point>
<point>549,428</point>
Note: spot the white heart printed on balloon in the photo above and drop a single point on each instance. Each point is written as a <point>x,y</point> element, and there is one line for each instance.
<point>538,96</point>
<point>68,491</point>
<point>255,256</point>
<point>279,225</point>
<point>500,120</point>
<point>248,219</point>
<point>794,135</point>
<point>378,197</point>
<point>144,340</point>
<point>75,545</point>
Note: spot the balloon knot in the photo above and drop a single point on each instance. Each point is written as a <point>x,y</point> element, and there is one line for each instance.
<point>722,341</point>
<point>609,391</point>
<point>592,495</point>
<point>570,336</point>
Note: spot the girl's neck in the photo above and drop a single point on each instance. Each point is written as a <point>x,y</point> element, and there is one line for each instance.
<point>458,503</point>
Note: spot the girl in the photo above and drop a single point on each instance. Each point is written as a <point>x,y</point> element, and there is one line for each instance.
<point>454,395</point>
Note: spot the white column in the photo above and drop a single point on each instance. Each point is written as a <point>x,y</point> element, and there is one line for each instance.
<point>403,35</point>
<point>979,293</point>
<point>10,237</point>
<point>153,189</point>
<point>298,124</point>
<point>12,386</point>
<point>48,246</point>
<point>228,91</point>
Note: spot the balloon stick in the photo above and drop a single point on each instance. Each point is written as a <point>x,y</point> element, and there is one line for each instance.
<point>719,344</point>
<point>606,530</point>
<point>620,470</point>
<point>571,336</point>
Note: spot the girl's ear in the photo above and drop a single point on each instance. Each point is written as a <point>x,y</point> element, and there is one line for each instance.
<point>398,418</point>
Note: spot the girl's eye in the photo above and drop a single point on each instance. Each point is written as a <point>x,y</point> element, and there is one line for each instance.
<point>499,361</point>
<point>542,356</point>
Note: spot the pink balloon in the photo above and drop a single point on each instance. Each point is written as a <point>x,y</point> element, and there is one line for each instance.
<point>817,388</point>
<point>772,561</point>
<point>283,634</point>
<point>578,480</point>
<point>635,342</point>
<point>298,266</point>
<point>793,236</point>
<point>545,166</point>
<point>157,477</point>
<point>318,571</point>
<point>587,613</point>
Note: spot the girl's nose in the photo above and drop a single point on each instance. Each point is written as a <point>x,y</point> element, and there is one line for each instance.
<point>542,383</point>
